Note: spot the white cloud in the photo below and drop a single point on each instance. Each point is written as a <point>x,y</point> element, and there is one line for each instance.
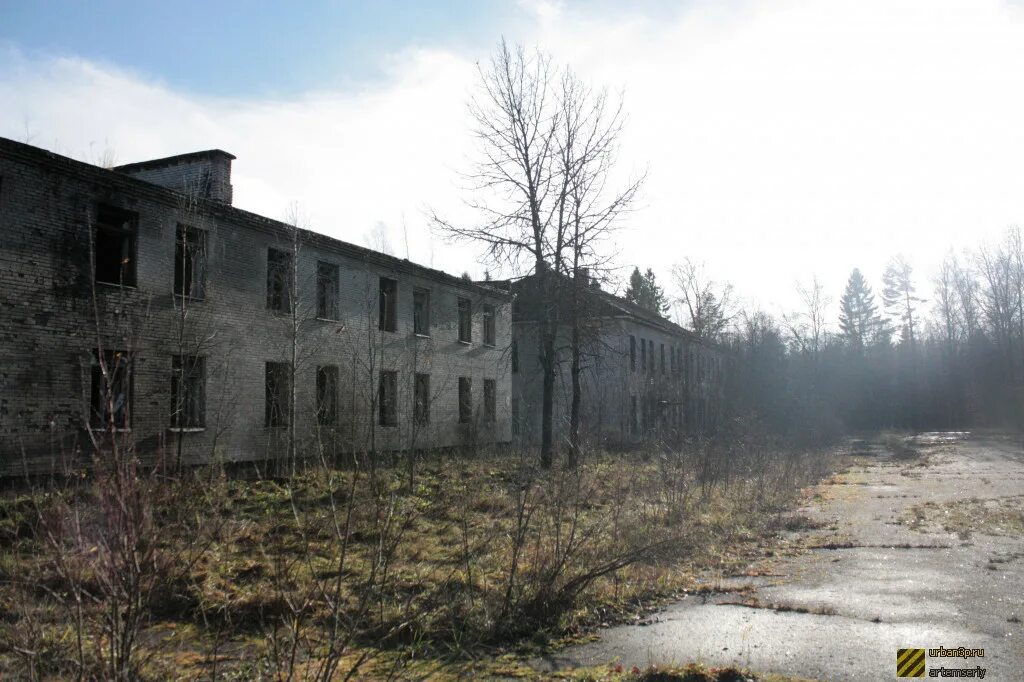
<point>783,139</point>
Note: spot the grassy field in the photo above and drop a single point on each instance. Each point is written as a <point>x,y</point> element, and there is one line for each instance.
<point>463,569</point>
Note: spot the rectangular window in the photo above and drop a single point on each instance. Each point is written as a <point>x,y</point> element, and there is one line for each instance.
<point>465,400</point>
<point>111,399</point>
<point>188,392</point>
<point>633,416</point>
<point>663,359</point>
<point>327,395</point>
<point>114,245</point>
<point>421,312</point>
<point>277,398</point>
<point>515,357</point>
<point>515,416</point>
<point>465,320</point>
<point>279,281</point>
<point>643,355</point>
<point>190,262</point>
<point>387,398</point>
<point>489,328</point>
<point>387,320</point>
<point>632,353</point>
<point>326,291</point>
<point>490,400</point>
<point>650,356</point>
<point>421,399</point>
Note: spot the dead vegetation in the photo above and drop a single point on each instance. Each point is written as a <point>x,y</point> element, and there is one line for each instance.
<point>336,572</point>
<point>997,516</point>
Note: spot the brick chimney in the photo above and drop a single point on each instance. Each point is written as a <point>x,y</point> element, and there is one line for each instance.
<point>207,173</point>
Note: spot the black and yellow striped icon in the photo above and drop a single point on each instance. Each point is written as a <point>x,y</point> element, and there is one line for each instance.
<point>910,663</point>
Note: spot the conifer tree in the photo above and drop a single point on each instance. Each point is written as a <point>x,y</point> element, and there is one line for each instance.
<point>644,291</point>
<point>859,321</point>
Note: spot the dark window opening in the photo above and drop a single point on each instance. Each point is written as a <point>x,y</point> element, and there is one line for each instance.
<point>387,398</point>
<point>643,355</point>
<point>387,320</point>
<point>278,380</point>
<point>190,262</point>
<point>465,320</point>
<point>489,326</point>
<point>663,359</point>
<point>490,400</point>
<point>114,236</point>
<point>327,395</point>
<point>326,291</point>
<point>188,392</point>
<point>632,353</point>
<point>633,416</point>
<point>279,281</point>
<point>650,356</point>
<point>465,400</point>
<point>111,395</point>
<point>421,312</point>
<point>421,400</point>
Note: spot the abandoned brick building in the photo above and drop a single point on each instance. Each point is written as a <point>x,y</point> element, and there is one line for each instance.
<point>644,377</point>
<point>211,328</point>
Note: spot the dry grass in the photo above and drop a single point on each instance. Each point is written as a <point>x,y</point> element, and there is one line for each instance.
<point>271,578</point>
<point>998,516</point>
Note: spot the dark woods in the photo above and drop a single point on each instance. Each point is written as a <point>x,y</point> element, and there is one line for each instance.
<point>941,354</point>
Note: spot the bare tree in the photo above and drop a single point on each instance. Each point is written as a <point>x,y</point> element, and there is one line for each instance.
<point>547,142</point>
<point>707,305</point>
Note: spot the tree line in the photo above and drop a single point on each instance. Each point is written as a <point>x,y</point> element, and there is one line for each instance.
<point>941,354</point>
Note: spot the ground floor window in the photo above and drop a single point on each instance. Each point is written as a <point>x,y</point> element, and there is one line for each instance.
<point>465,400</point>
<point>111,395</point>
<point>326,395</point>
<point>277,410</point>
<point>188,392</point>
<point>490,400</point>
<point>421,399</point>
<point>387,398</point>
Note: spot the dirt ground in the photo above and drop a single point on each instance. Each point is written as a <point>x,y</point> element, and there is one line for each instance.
<point>924,550</point>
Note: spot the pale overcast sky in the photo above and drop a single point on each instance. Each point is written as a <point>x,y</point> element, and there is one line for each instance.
<point>782,139</point>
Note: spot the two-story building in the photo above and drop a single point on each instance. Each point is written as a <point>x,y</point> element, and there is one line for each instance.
<point>139,299</point>
<point>644,378</point>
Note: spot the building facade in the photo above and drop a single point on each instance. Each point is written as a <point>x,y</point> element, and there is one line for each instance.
<point>139,299</point>
<point>643,379</point>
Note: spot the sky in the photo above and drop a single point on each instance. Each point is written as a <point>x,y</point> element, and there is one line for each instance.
<point>781,140</point>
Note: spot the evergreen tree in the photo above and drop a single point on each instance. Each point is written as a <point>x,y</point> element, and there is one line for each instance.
<point>644,291</point>
<point>899,299</point>
<point>859,321</point>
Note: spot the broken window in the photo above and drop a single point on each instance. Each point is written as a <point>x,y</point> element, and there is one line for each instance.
<point>421,400</point>
<point>632,353</point>
<point>326,395</point>
<point>114,245</point>
<point>489,328</point>
<point>326,291</point>
<point>387,398</point>
<point>278,381</point>
<point>188,392</point>
<point>490,400</point>
<point>190,262</point>
<point>111,390</point>
<point>465,320</point>
<point>279,281</point>
<point>421,312</point>
<point>465,400</point>
<point>633,417</point>
<point>387,316</point>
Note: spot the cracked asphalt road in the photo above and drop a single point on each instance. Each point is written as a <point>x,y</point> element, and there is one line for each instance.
<point>887,584</point>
